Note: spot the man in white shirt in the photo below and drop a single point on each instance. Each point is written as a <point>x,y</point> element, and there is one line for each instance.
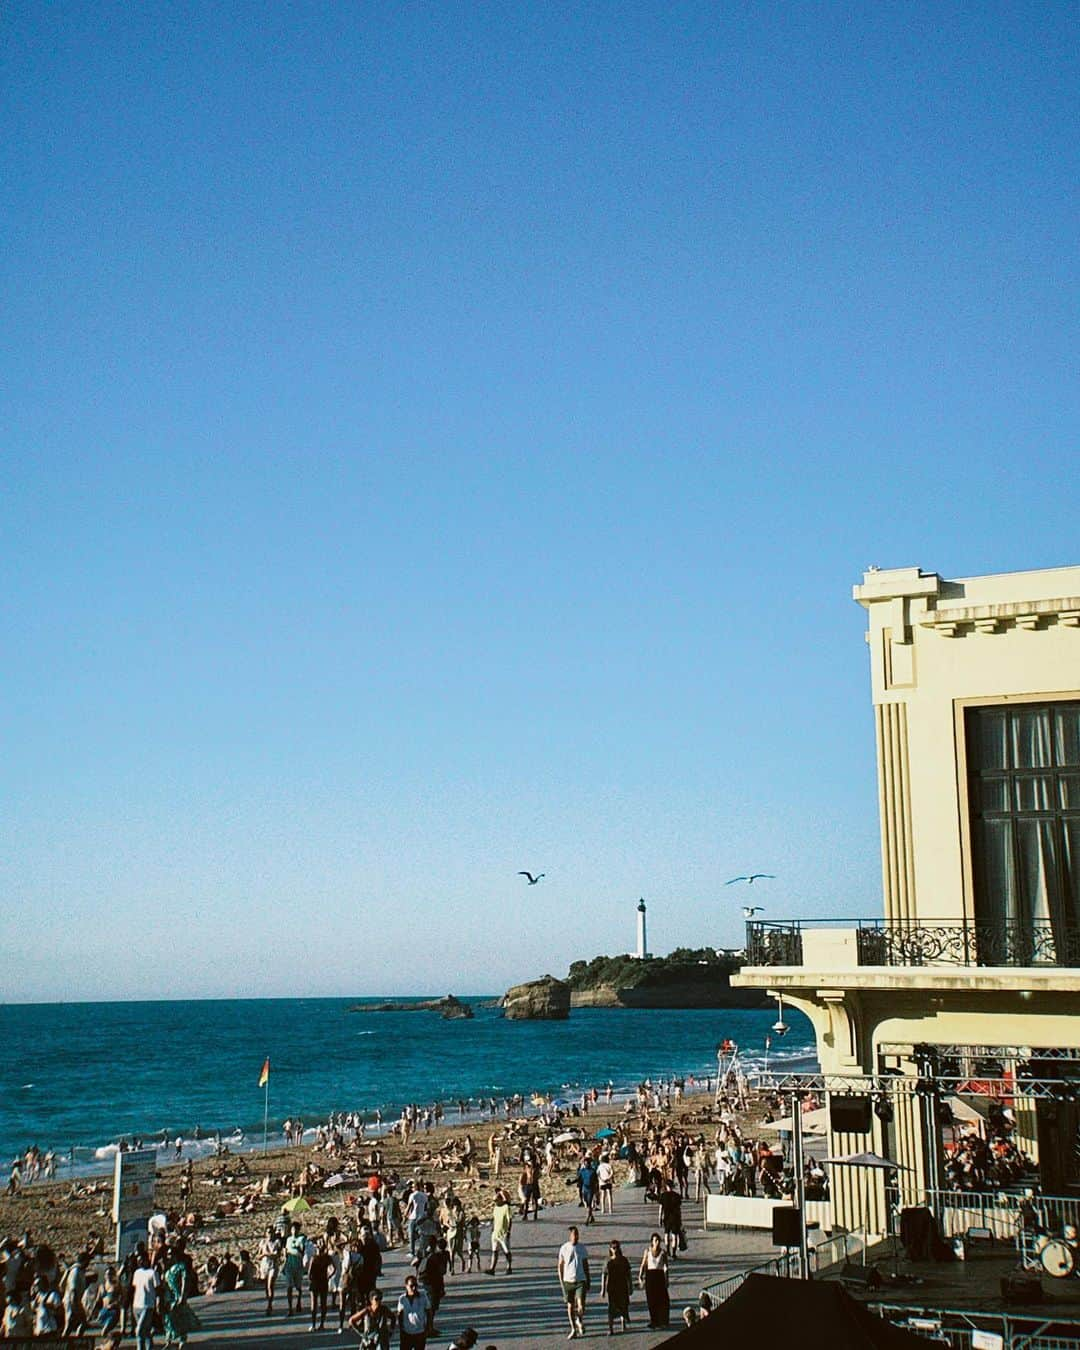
<point>415,1214</point>
<point>574,1278</point>
<point>144,1293</point>
<point>605,1176</point>
<point>412,1313</point>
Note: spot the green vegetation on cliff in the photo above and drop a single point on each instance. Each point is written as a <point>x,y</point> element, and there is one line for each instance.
<point>626,972</point>
<point>686,978</point>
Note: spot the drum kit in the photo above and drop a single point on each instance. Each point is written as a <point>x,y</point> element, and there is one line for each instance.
<point>1059,1256</point>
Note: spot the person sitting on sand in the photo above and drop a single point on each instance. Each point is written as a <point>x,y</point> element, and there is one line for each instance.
<point>226,1277</point>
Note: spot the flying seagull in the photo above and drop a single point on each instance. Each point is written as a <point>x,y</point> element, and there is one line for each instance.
<point>754,876</point>
<point>750,910</point>
<point>532,880</point>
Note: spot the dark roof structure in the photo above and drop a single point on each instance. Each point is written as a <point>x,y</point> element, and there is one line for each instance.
<point>769,1311</point>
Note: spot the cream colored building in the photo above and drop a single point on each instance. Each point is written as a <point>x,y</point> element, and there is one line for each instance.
<point>975,967</point>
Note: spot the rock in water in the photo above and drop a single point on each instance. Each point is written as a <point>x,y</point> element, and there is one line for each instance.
<point>547,999</point>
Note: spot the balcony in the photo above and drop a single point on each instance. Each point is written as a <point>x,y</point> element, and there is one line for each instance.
<point>909,942</point>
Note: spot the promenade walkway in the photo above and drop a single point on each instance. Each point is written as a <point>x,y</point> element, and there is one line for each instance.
<point>522,1310</point>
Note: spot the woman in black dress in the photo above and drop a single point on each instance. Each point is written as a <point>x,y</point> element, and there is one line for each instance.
<point>653,1275</point>
<point>617,1286</point>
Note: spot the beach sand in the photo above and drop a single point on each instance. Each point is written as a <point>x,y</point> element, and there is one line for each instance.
<point>54,1215</point>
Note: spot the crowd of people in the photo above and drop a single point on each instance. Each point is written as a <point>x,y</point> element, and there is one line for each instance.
<point>46,1296</point>
<point>331,1270</point>
<point>985,1156</point>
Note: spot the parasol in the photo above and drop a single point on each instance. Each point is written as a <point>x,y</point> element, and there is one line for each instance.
<point>813,1122</point>
<point>870,1160</point>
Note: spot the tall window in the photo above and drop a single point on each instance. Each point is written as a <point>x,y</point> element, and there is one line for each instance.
<point>1024,789</point>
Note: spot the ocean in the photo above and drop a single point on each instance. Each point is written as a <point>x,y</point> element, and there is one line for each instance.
<point>77,1077</point>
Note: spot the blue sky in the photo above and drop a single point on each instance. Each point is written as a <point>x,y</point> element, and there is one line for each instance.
<point>440,440</point>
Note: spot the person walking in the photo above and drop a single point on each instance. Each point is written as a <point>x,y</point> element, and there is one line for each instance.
<point>270,1255</point>
<point>319,1283</point>
<point>455,1234</point>
<point>588,1187</point>
<point>412,1315</point>
<point>530,1189</point>
<point>350,1302</point>
<point>373,1323</point>
<point>653,1277</point>
<point>144,1296</point>
<point>501,1223</point>
<point>47,1307</point>
<point>295,1251</point>
<point>617,1285</point>
<point>73,1289</point>
<point>671,1218</point>
<point>573,1266</point>
<point>432,1273</point>
<point>605,1176</point>
<point>415,1213</point>
<point>179,1319</point>
<point>367,1276</point>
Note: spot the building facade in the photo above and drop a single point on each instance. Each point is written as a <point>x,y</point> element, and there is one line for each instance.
<point>971,980</point>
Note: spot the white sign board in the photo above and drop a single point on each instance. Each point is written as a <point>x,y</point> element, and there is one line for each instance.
<point>987,1340</point>
<point>133,1184</point>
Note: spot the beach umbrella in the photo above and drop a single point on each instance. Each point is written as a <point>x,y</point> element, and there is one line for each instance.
<point>338,1179</point>
<point>568,1137</point>
<point>964,1112</point>
<point>560,1102</point>
<point>870,1160</point>
<point>297,1205</point>
<point>604,1134</point>
<point>813,1122</point>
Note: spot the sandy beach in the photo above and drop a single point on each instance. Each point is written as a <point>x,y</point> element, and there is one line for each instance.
<point>63,1214</point>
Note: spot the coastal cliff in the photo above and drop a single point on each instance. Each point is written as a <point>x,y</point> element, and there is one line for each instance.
<point>688,978</point>
<point>547,999</point>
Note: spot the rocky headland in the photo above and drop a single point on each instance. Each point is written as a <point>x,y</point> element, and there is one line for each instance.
<point>687,978</point>
<point>448,1007</point>
<point>546,999</point>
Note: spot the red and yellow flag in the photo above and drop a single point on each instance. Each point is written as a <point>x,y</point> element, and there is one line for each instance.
<point>264,1077</point>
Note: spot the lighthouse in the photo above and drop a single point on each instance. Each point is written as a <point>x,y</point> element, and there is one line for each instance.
<point>642,946</point>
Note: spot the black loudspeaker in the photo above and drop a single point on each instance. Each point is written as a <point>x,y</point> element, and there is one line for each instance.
<point>786,1226</point>
<point>849,1115</point>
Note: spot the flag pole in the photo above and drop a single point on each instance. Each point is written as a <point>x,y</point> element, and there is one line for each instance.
<point>266,1106</point>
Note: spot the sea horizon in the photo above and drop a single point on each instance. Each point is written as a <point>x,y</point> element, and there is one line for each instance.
<point>149,1069</point>
<point>233,998</point>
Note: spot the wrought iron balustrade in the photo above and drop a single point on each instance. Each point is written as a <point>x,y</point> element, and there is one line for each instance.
<point>930,942</point>
<point>773,944</point>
